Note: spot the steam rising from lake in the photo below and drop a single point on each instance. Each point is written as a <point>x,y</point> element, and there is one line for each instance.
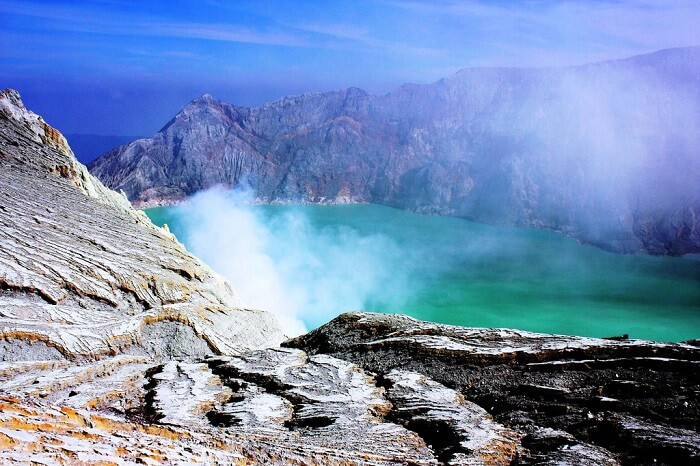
<point>285,265</point>
<point>309,263</point>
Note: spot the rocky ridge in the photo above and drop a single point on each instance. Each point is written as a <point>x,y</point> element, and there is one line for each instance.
<point>606,152</point>
<point>119,347</point>
<point>85,275</point>
<point>415,393</point>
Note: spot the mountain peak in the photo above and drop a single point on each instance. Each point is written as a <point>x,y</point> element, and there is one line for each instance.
<point>12,108</point>
<point>11,96</point>
<point>205,98</point>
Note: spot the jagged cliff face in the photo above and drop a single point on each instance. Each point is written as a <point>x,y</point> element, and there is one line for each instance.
<point>84,275</point>
<point>607,153</point>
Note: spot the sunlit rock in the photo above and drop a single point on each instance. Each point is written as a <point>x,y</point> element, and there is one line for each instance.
<point>83,275</point>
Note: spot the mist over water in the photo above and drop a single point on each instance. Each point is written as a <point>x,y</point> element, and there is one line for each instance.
<point>280,262</point>
<point>309,263</point>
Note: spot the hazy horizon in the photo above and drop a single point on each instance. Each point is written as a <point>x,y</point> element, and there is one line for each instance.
<point>121,68</point>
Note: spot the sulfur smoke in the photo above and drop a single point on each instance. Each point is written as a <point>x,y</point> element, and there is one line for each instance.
<point>303,273</point>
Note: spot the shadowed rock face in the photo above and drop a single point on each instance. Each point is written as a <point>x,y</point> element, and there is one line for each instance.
<point>607,153</point>
<point>569,400</point>
<point>84,275</point>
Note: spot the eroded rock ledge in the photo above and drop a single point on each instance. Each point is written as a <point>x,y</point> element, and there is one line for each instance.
<point>83,275</point>
<point>572,400</point>
<point>367,389</point>
<point>272,406</point>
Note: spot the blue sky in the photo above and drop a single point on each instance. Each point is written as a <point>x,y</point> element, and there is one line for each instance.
<point>125,67</point>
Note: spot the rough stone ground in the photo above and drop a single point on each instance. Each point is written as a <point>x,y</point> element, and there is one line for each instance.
<point>414,393</point>
<point>273,406</point>
<point>125,410</point>
<point>573,400</point>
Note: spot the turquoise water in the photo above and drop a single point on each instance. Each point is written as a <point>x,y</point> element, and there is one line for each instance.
<point>453,271</point>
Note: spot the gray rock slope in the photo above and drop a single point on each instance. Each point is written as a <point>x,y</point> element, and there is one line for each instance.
<point>83,274</point>
<point>608,152</point>
<point>569,400</point>
<point>366,389</point>
<point>105,325</point>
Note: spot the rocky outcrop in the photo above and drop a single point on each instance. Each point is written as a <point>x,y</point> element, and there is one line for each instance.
<point>563,400</point>
<point>368,389</point>
<point>605,152</point>
<point>274,406</point>
<point>84,275</point>
<point>34,126</point>
<point>108,328</point>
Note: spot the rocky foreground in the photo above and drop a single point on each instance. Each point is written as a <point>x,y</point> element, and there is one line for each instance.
<point>117,346</point>
<point>84,274</point>
<point>366,389</point>
<point>571,400</point>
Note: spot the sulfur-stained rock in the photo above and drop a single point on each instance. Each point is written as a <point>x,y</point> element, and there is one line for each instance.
<point>267,407</point>
<point>84,275</point>
<point>323,400</point>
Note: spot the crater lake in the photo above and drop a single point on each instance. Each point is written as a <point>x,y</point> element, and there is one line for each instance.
<point>441,269</point>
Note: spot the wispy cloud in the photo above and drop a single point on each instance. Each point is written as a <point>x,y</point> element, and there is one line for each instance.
<point>337,30</point>
<point>92,19</point>
<point>457,33</point>
<point>219,32</point>
<point>252,51</point>
<point>88,19</point>
<point>358,37</point>
<point>563,32</point>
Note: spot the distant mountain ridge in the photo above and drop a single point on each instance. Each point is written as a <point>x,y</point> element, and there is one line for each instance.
<point>608,152</point>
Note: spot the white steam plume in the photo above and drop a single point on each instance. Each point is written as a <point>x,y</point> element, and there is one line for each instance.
<point>283,264</point>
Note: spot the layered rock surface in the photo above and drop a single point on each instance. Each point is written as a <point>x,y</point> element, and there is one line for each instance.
<point>83,274</point>
<point>416,393</point>
<point>120,347</point>
<point>569,400</point>
<point>273,406</point>
<point>607,152</point>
